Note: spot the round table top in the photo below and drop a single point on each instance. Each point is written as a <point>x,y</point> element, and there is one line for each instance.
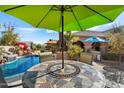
<point>87,78</point>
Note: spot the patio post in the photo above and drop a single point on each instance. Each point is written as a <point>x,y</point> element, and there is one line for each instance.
<point>62,13</point>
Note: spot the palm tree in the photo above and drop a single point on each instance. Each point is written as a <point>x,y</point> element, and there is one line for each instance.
<point>73,50</point>
<point>70,38</point>
<point>9,37</point>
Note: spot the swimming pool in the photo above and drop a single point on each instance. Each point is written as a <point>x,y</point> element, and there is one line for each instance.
<point>19,65</point>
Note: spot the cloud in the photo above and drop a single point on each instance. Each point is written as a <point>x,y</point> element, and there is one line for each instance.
<point>27,29</point>
<point>30,30</point>
<point>51,31</point>
<point>40,42</point>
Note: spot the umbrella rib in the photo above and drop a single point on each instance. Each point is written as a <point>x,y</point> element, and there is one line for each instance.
<point>70,6</point>
<point>97,12</point>
<point>44,16</point>
<point>13,8</point>
<point>76,18</point>
<point>56,6</point>
<point>66,6</point>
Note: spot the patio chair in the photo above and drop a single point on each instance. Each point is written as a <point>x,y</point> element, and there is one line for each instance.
<point>86,58</point>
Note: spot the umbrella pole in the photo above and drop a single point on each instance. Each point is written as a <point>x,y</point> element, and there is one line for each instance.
<point>62,13</point>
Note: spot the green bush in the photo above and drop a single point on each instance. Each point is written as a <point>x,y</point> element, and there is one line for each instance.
<point>111,56</point>
<point>74,51</point>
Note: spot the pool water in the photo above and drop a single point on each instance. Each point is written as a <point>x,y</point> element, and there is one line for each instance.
<point>19,65</point>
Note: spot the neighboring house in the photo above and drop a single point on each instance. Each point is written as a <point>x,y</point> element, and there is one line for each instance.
<point>50,44</point>
<point>88,46</point>
<point>85,34</point>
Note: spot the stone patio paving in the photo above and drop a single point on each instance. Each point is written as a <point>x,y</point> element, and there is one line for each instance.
<point>109,83</point>
<point>96,65</point>
<point>88,77</point>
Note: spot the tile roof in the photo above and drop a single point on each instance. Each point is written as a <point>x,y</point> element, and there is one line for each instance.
<point>51,42</point>
<point>90,33</point>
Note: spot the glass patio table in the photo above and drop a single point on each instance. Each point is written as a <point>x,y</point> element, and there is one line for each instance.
<point>74,75</point>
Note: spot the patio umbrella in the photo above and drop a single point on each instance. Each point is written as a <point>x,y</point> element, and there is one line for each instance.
<point>95,39</point>
<point>22,45</point>
<point>64,17</point>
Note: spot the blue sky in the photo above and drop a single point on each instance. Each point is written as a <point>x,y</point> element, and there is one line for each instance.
<point>26,31</point>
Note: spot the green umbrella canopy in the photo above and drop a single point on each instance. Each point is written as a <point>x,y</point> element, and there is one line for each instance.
<point>78,17</point>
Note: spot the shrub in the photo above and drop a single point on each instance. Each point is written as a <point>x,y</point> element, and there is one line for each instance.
<point>116,45</point>
<point>74,51</point>
<point>110,56</point>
